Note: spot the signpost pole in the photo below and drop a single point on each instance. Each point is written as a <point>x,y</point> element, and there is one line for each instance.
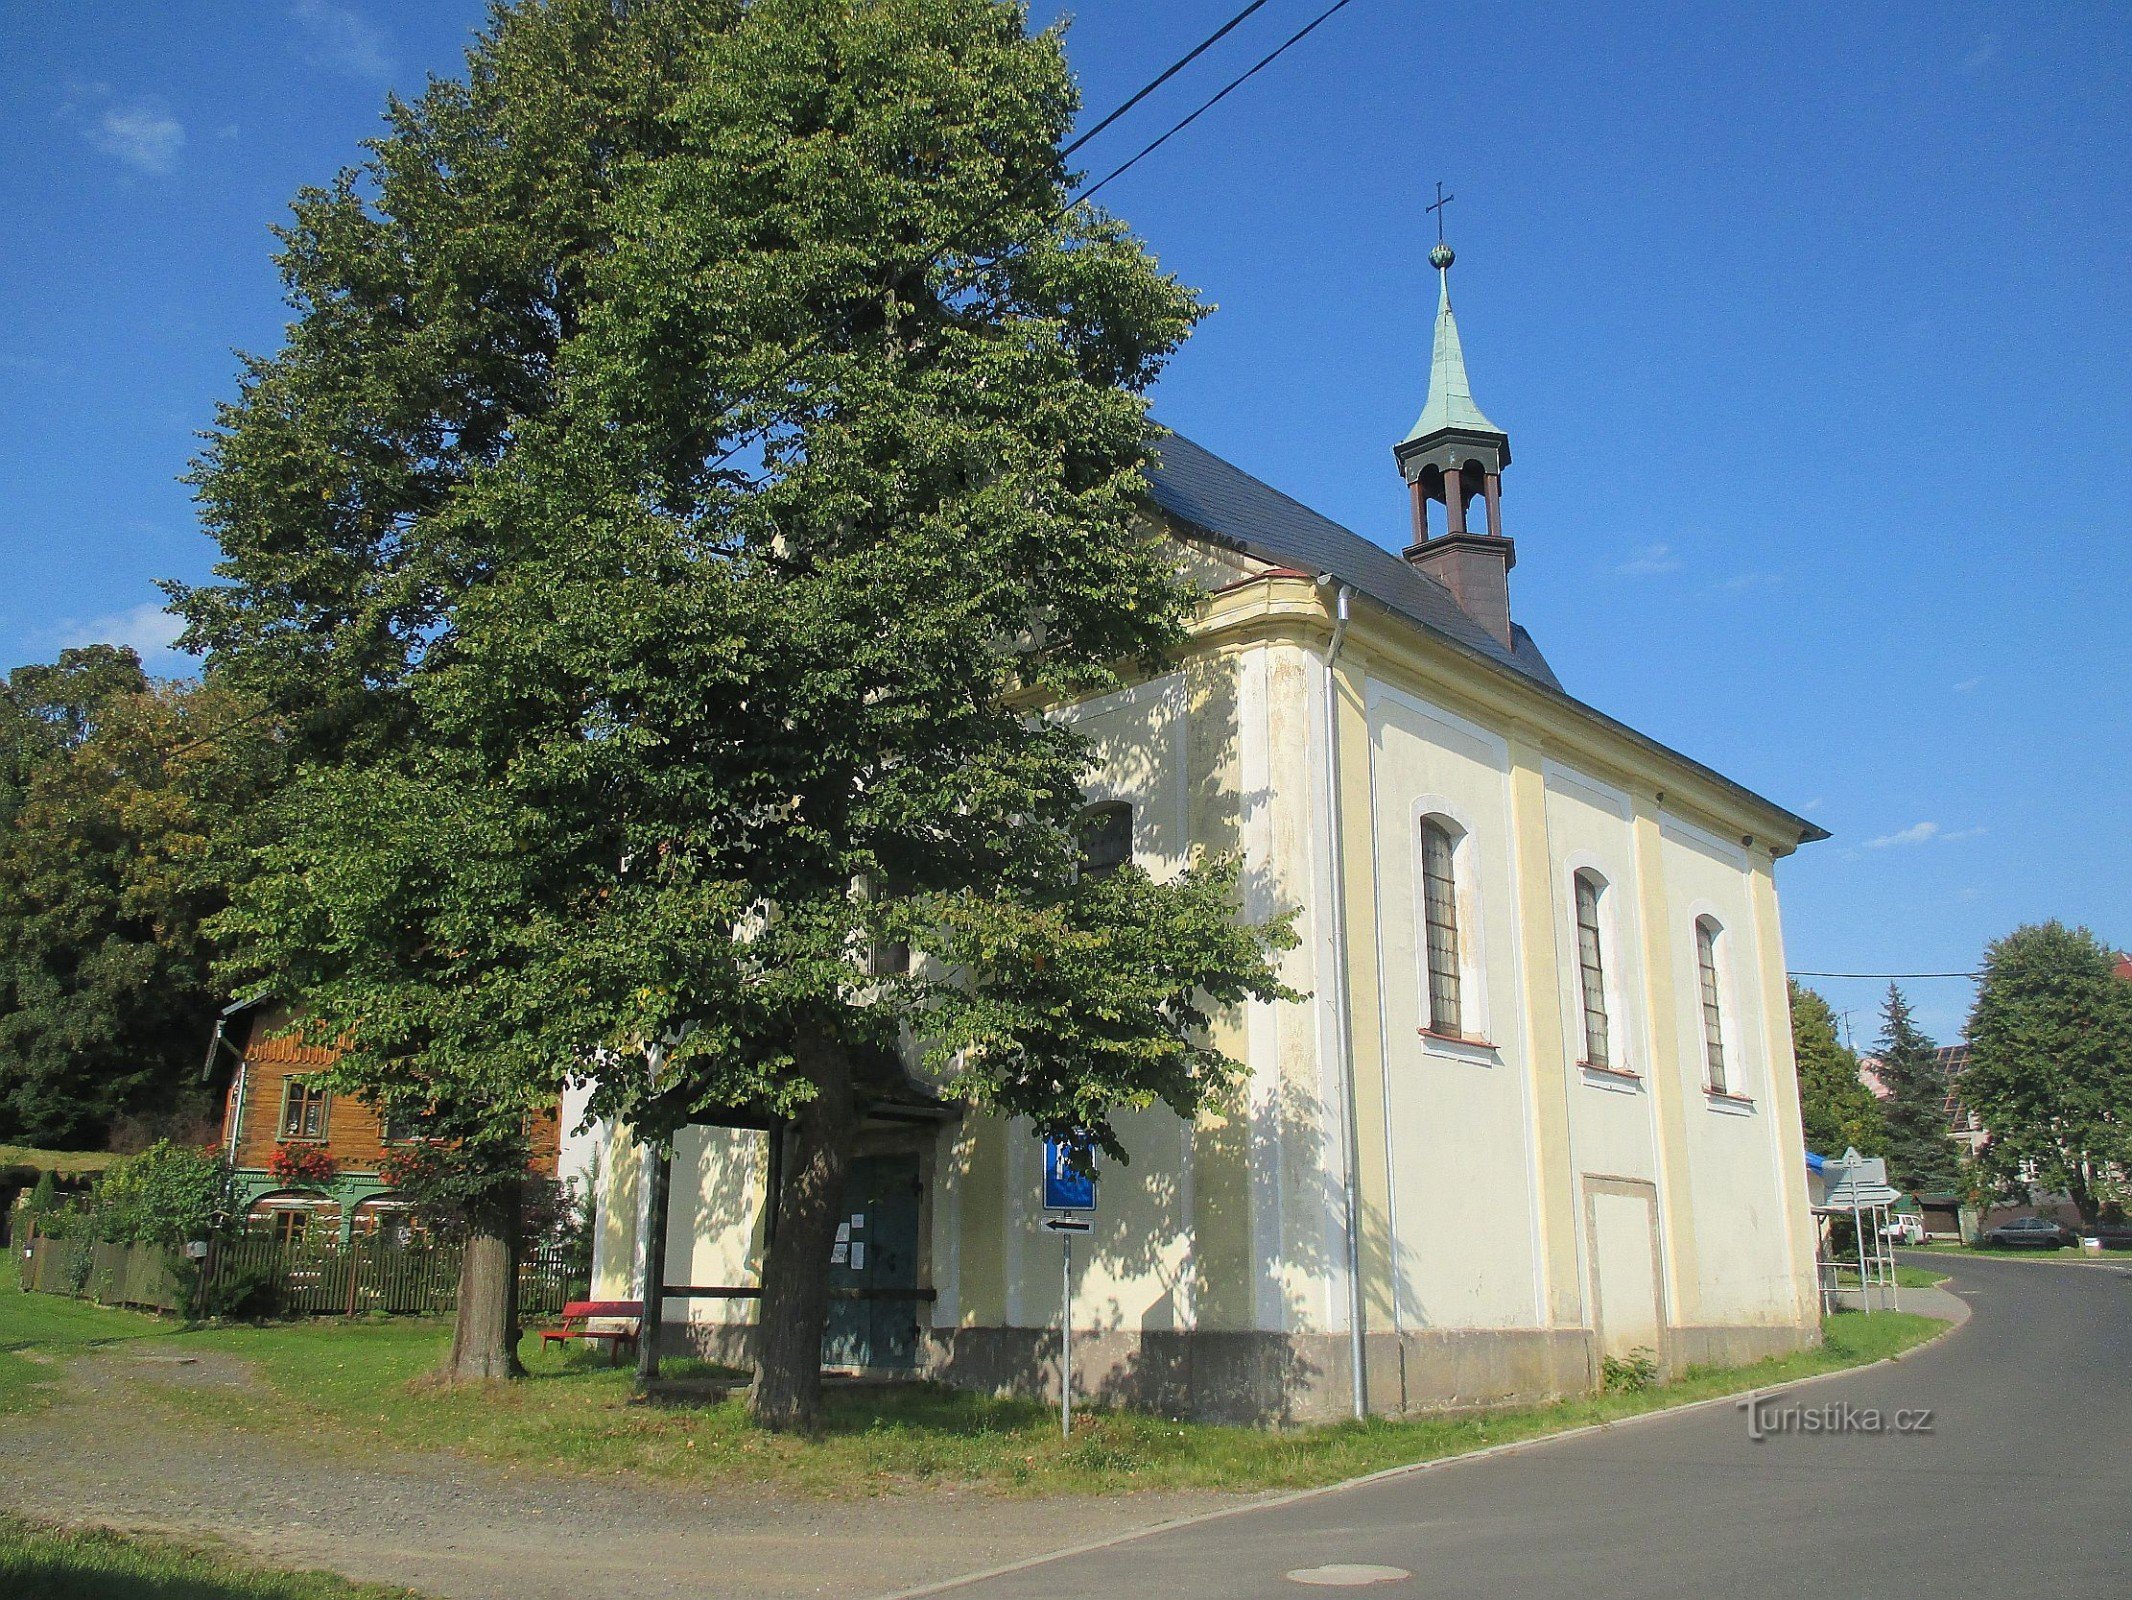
<point>1066,1337</point>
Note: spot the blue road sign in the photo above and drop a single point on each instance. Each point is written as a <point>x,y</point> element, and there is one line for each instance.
<point>1064,1188</point>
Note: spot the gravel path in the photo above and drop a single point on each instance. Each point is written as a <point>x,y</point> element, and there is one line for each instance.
<point>464,1530</point>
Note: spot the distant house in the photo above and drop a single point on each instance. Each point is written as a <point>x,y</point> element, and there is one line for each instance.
<point>308,1160</point>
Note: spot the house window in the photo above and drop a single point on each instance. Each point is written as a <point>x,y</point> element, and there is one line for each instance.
<point>1591,971</point>
<point>287,1227</point>
<point>303,1110</point>
<point>402,1126</point>
<point>1439,909</point>
<point>1706,932</point>
<point>1106,837</point>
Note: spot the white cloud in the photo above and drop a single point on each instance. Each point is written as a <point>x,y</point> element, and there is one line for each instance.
<point>1921,833</point>
<point>1966,685</point>
<point>1751,580</point>
<point>1981,55</point>
<point>144,138</point>
<point>147,629</point>
<point>1916,833</point>
<point>337,37</point>
<point>1649,560</point>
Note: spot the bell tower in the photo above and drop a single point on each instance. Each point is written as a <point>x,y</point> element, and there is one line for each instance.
<point>1452,457</point>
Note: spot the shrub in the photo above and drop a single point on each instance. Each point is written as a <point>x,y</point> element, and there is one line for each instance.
<point>1629,1374</point>
<point>166,1195</point>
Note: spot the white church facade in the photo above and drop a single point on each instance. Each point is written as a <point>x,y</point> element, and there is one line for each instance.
<point>1538,1104</point>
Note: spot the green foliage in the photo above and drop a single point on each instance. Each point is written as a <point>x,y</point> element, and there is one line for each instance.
<point>44,1196</point>
<point>98,1564</point>
<point>705,439</point>
<point>2050,1065</point>
<point>355,1382</point>
<point>1837,1109</point>
<point>164,1196</point>
<point>108,803</point>
<point>1921,1153</point>
<point>1629,1374</point>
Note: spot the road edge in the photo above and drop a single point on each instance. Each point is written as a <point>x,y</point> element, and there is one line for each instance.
<point>1959,1310</point>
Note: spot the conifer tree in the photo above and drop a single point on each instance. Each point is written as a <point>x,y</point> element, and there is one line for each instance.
<point>1921,1153</point>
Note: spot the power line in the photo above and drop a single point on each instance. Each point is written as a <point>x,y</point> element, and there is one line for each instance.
<point>1890,975</point>
<point>1220,95</point>
<point>814,344</point>
<point>792,362</point>
<point>1165,75</point>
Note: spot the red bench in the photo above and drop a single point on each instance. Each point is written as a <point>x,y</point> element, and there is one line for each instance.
<point>578,1313</point>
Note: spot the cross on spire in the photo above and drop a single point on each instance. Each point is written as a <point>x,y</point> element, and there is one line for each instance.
<point>1442,200</point>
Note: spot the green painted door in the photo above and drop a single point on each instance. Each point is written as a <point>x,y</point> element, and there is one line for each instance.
<point>873,1269</point>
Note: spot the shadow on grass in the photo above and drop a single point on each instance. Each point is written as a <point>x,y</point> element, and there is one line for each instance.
<point>95,1564</point>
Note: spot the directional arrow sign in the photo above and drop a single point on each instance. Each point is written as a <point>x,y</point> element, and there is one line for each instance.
<point>1067,1224</point>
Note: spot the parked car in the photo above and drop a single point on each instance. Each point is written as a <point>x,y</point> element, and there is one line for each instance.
<point>1905,1227</point>
<point>2113,1235</point>
<point>2033,1233</point>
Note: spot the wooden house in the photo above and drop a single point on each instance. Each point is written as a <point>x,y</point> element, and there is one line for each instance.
<point>310,1160</point>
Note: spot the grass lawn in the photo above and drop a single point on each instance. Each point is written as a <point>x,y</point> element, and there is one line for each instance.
<point>62,1564</point>
<point>59,1161</point>
<point>2025,1253</point>
<point>62,1326</point>
<point>362,1381</point>
<point>1917,1277</point>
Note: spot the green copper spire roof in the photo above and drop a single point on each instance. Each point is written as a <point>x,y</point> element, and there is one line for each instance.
<point>1450,394</point>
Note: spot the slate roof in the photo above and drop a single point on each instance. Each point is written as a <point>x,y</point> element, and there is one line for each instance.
<point>1224,503</point>
<point>1206,493</point>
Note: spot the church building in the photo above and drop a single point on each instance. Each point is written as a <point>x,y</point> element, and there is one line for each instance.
<point>1537,1106</point>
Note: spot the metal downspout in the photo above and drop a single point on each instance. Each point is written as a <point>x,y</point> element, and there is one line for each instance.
<point>1350,1124</point>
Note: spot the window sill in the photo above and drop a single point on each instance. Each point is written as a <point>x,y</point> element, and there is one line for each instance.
<point>1457,1048</point>
<point>1620,1079</point>
<point>1738,1105</point>
<point>299,1138</point>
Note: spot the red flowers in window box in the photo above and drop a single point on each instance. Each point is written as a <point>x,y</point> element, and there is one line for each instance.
<point>302,1163</point>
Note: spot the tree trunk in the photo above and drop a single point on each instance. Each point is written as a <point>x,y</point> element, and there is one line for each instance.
<point>787,1393</point>
<point>485,1335</point>
<point>651,1257</point>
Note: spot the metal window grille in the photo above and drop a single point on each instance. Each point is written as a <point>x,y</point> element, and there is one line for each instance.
<point>1439,900</point>
<point>1592,971</point>
<point>1713,1016</point>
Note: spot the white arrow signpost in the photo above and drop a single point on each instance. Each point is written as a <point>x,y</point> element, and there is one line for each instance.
<point>1070,1198</point>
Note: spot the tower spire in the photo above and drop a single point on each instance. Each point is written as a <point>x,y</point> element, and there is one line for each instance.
<point>1450,403</point>
<point>1454,455</point>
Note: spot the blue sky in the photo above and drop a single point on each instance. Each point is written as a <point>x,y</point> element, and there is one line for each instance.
<point>1809,325</point>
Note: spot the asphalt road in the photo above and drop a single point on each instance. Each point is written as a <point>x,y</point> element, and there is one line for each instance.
<point>2022,1488</point>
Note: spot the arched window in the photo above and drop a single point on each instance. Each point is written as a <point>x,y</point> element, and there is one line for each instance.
<point>1706,932</point>
<point>1439,907</point>
<point>1106,837</point>
<point>1591,969</point>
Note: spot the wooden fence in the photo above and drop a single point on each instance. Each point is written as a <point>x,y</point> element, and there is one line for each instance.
<point>296,1278</point>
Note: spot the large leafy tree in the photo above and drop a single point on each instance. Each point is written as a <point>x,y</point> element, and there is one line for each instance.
<point>1921,1151</point>
<point>707,443</point>
<point>1837,1109</point>
<point>2050,1065</point>
<point>109,799</point>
